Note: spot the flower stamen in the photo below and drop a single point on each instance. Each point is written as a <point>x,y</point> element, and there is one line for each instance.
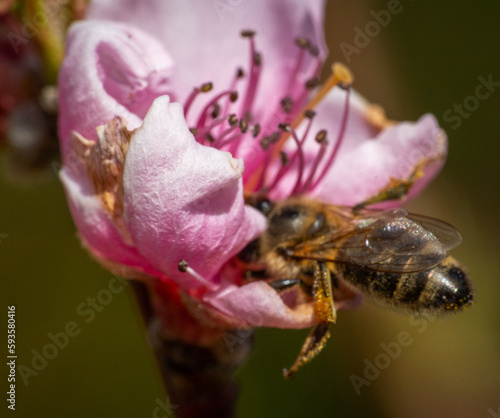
<point>254,75</point>
<point>341,77</point>
<point>183,267</point>
<point>320,139</point>
<point>338,142</point>
<point>204,88</point>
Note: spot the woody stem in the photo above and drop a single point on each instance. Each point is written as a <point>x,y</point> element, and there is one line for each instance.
<point>198,377</point>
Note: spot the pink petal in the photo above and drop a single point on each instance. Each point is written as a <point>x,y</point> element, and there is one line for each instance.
<point>258,304</point>
<point>95,226</point>
<point>184,201</point>
<point>203,37</point>
<point>363,170</point>
<point>109,70</point>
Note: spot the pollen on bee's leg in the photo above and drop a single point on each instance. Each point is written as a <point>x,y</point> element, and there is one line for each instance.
<point>314,343</point>
<point>183,267</point>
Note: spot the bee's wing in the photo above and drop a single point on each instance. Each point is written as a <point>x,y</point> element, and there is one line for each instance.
<point>447,235</point>
<point>390,241</point>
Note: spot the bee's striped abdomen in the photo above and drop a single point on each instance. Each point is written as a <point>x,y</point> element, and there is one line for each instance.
<point>445,287</point>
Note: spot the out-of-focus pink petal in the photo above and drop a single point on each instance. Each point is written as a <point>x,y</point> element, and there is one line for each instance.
<point>184,201</point>
<point>204,39</point>
<point>363,170</point>
<point>109,70</point>
<point>95,226</point>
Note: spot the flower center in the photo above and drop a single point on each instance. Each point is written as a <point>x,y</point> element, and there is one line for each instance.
<point>230,121</point>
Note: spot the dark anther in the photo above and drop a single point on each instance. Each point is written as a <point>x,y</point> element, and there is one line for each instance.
<point>302,43</point>
<point>194,131</point>
<point>312,82</point>
<point>284,127</point>
<point>206,87</point>
<point>243,126</point>
<point>321,137</point>
<point>309,113</point>
<point>233,119</point>
<point>343,85</point>
<point>275,136</point>
<point>247,33</point>
<point>209,137</point>
<point>313,50</point>
<point>233,96</point>
<point>257,59</point>
<point>183,266</point>
<point>287,104</point>
<point>240,73</point>
<point>215,111</point>
<point>265,142</point>
<point>248,116</point>
<point>284,158</point>
<point>256,130</point>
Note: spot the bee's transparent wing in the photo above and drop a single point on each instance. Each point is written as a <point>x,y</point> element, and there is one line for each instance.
<point>447,235</point>
<point>390,241</point>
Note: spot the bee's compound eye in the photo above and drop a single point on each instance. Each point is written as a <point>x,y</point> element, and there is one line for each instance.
<point>288,220</point>
<point>265,206</point>
<point>318,225</point>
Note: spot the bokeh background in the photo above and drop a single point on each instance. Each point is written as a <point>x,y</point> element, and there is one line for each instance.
<point>427,58</point>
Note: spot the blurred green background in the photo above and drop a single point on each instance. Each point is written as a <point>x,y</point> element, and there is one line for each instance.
<point>428,58</point>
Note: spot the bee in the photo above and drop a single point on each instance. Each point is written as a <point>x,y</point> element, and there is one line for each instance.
<point>393,257</point>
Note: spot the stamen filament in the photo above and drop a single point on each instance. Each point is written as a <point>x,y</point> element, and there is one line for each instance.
<point>254,75</point>
<point>218,143</point>
<point>298,64</point>
<point>200,133</point>
<point>184,268</point>
<point>340,75</point>
<point>284,168</point>
<point>205,112</point>
<point>317,161</point>
<point>197,90</point>
<point>338,142</point>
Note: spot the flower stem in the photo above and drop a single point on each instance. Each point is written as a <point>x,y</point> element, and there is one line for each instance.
<point>198,377</point>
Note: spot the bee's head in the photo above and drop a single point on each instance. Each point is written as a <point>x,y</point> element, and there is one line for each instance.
<point>291,222</point>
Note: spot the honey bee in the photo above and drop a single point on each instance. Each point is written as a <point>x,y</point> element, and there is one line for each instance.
<point>390,256</point>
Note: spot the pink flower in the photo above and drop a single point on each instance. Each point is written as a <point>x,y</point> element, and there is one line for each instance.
<point>165,121</point>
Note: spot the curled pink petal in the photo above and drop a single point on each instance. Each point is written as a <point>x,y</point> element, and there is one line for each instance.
<point>184,201</point>
<point>109,70</point>
<point>213,30</point>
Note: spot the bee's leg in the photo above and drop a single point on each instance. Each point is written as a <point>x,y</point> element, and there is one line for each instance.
<point>396,189</point>
<point>315,341</point>
<point>324,311</point>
